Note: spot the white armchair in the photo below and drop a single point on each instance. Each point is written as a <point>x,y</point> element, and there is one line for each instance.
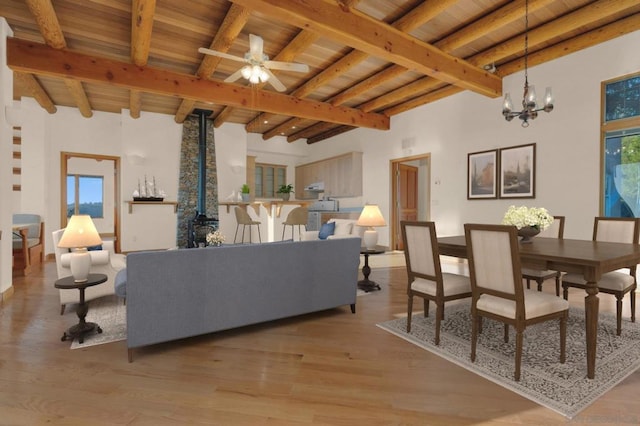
<point>105,261</point>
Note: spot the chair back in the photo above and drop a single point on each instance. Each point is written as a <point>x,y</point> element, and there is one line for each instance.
<point>297,216</point>
<point>555,230</point>
<point>421,251</point>
<point>494,261</point>
<point>242,217</point>
<point>616,229</point>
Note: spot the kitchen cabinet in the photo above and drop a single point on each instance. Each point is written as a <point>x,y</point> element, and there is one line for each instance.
<point>342,176</point>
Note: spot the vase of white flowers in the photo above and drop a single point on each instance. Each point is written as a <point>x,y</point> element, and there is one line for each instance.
<point>529,221</point>
<point>215,238</point>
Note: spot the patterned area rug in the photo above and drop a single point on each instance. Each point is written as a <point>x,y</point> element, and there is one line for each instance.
<point>111,315</point>
<point>563,388</point>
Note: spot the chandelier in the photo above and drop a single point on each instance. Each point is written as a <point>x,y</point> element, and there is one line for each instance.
<point>530,107</point>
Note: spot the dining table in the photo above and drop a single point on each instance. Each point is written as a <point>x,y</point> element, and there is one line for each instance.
<point>587,257</point>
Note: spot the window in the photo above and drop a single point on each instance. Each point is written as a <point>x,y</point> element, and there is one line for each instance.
<point>85,195</point>
<point>269,177</point>
<point>621,147</point>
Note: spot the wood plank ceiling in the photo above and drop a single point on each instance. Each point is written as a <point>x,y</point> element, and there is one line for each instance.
<point>368,59</point>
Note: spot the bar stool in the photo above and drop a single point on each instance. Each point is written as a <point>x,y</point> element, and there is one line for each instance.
<point>243,218</point>
<point>297,216</point>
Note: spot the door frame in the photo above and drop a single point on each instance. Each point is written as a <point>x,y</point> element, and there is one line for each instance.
<point>423,189</point>
<point>64,158</point>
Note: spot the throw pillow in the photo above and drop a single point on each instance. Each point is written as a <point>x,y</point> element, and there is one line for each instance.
<point>326,229</point>
<point>95,248</point>
<point>343,226</point>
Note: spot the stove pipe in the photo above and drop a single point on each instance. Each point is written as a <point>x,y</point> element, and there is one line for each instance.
<point>202,162</point>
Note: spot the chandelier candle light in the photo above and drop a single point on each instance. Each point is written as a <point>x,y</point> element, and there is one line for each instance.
<point>370,217</point>
<point>530,107</point>
<point>79,234</point>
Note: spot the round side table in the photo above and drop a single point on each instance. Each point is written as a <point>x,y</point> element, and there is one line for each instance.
<point>366,284</point>
<point>82,328</point>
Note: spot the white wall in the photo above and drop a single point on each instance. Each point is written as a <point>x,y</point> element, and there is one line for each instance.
<point>568,156</point>
<point>567,142</point>
<point>6,158</point>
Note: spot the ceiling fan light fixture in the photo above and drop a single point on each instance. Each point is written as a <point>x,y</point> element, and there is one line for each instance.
<point>246,72</point>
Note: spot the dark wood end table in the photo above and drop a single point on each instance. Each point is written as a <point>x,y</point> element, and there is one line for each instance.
<point>366,284</point>
<point>82,328</point>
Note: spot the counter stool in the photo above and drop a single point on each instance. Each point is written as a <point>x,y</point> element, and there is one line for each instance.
<point>297,216</point>
<point>243,218</point>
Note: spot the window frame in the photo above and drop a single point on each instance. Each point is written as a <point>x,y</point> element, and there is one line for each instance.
<point>261,179</point>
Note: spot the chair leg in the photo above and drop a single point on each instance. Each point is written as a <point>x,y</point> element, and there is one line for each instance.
<point>539,281</point>
<point>563,338</point>
<point>284,227</point>
<point>235,236</point>
<point>62,309</point>
<point>558,284</point>
<point>565,291</point>
<point>426,308</point>
<point>528,283</point>
<point>633,304</point>
<point>243,228</point>
<point>259,237</point>
<point>409,312</point>
<point>439,314</point>
<point>475,325</point>
<point>506,332</point>
<point>518,354</point>
<point>618,314</point>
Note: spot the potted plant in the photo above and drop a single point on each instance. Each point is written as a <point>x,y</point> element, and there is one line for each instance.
<point>245,193</point>
<point>285,191</point>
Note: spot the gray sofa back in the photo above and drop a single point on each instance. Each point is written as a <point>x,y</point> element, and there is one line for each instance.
<point>181,293</point>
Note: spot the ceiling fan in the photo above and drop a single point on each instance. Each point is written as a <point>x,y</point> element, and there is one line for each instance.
<point>258,68</point>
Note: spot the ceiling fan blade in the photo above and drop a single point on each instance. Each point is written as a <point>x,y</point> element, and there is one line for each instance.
<point>255,47</point>
<point>273,80</point>
<point>233,77</point>
<point>287,66</point>
<point>220,54</point>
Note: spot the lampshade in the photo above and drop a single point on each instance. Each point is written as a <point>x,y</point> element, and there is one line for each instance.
<point>371,216</point>
<point>79,234</point>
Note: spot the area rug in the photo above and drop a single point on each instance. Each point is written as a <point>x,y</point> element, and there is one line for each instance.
<point>563,388</point>
<point>111,315</point>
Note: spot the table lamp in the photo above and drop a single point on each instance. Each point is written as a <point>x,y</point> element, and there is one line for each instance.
<point>370,217</point>
<point>79,234</point>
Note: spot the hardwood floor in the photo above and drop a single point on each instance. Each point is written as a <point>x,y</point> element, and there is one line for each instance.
<point>327,368</point>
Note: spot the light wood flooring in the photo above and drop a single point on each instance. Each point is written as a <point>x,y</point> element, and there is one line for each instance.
<point>327,368</point>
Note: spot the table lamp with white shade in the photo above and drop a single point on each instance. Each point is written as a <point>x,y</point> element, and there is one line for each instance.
<point>79,234</point>
<point>370,217</point>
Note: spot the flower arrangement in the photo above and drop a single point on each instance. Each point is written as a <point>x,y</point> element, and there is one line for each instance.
<point>534,217</point>
<point>215,238</point>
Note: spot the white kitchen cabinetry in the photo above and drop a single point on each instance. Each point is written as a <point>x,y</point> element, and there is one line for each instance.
<point>342,176</point>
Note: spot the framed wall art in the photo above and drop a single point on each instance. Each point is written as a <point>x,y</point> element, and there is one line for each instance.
<point>518,171</point>
<point>482,182</point>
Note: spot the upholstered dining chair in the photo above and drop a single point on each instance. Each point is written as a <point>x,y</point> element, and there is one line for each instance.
<point>298,216</point>
<point>497,290</point>
<point>243,218</point>
<point>555,230</point>
<point>614,230</point>
<point>425,276</point>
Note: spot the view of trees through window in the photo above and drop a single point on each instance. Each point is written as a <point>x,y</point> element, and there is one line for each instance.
<point>85,195</point>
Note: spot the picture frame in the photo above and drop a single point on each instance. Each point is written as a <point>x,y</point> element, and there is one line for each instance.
<point>518,171</point>
<point>482,179</point>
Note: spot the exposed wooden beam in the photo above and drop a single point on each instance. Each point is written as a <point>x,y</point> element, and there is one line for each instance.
<point>32,86</point>
<point>233,22</point>
<point>142,13</point>
<point>25,56</point>
<point>410,21</point>
<point>329,134</point>
<point>79,96</point>
<point>299,44</point>
<point>47,20</point>
<point>376,38</point>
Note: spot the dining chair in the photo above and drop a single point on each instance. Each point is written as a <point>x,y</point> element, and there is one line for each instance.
<point>497,290</point>
<point>614,230</point>
<point>243,218</point>
<point>555,230</point>
<point>298,216</point>
<point>425,276</point>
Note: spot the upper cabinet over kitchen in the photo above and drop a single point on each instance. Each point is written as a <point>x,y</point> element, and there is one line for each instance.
<point>340,175</point>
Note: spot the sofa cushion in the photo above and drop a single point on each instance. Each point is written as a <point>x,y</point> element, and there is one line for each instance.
<point>343,226</point>
<point>326,229</point>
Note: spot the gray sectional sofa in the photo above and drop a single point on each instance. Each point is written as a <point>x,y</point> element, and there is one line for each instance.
<point>176,294</point>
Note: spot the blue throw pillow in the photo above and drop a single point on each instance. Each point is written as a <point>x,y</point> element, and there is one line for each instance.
<point>326,229</point>
<point>95,248</point>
